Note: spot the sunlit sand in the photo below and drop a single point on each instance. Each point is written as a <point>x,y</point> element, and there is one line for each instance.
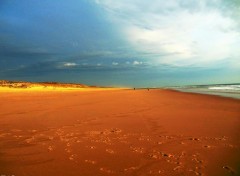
<point>54,89</point>
<point>57,131</point>
<point>48,87</point>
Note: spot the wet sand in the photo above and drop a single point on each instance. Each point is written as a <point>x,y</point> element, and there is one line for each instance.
<point>118,132</point>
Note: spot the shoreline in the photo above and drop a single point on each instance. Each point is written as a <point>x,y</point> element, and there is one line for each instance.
<point>52,89</point>
<point>233,95</point>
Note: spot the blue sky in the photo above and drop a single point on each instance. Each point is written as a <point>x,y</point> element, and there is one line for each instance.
<point>121,43</point>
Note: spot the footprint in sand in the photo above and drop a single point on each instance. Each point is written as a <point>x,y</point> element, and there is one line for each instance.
<point>167,155</point>
<point>229,169</point>
<point>106,170</point>
<point>169,137</point>
<point>68,150</point>
<point>231,146</point>
<point>90,161</point>
<point>30,140</point>
<point>154,154</point>
<point>144,138</point>
<point>50,148</point>
<point>223,138</point>
<point>157,155</point>
<point>137,149</point>
<point>196,172</point>
<point>197,160</point>
<point>194,139</point>
<point>151,172</point>
<point>94,133</point>
<point>91,147</point>
<point>50,137</point>
<point>63,139</point>
<point>18,136</point>
<point>183,153</point>
<point>59,132</point>
<point>72,157</point>
<point>111,131</point>
<point>110,151</point>
<point>115,130</point>
<point>130,169</point>
<point>177,168</point>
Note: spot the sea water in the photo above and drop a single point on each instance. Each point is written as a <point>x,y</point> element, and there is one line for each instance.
<point>226,90</point>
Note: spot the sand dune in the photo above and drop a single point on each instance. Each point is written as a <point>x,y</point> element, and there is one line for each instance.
<point>118,132</point>
<point>21,86</point>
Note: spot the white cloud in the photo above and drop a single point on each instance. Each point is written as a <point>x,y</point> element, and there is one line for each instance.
<point>115,63</point>
<point>197,32</point>
<point>137,63</point>
<point>70,64</point>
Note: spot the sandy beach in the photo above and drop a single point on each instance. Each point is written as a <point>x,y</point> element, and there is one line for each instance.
<point>118,132</point>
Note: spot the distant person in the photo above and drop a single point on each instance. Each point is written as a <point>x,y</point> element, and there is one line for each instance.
<point>148,89</point>
<point>134,88</point>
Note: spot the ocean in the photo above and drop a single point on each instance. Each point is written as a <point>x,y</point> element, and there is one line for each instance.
<point>225,90</point>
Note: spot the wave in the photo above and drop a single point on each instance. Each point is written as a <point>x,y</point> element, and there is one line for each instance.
<point>224,87</point>
<point>227,90</point>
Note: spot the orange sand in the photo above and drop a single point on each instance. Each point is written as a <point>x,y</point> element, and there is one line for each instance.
<point>118,132</point>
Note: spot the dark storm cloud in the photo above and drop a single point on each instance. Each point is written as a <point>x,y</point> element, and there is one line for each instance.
<point>20,52</point>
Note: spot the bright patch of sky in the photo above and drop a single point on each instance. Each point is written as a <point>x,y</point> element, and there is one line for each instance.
<point>184,32</point>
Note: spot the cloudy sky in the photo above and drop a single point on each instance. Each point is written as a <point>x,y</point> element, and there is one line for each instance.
<point>121,42</point>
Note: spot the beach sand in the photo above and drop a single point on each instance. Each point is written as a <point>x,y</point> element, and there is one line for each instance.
<point>118,132</point>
